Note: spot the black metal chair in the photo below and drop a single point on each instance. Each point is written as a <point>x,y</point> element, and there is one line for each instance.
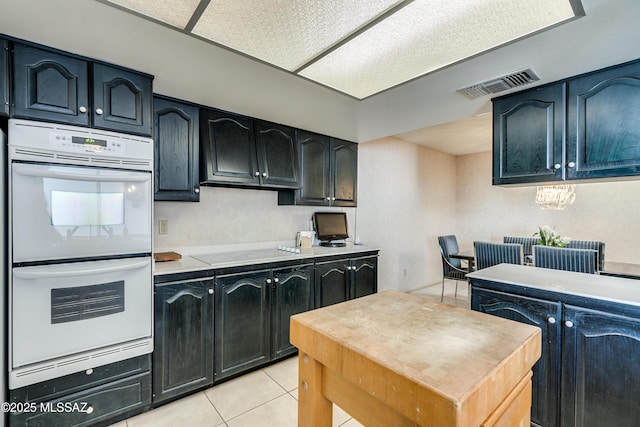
<point>451,267</point>
<point>527,246</point>
<point>580,260</point>
<point>489,254</point>
<point>590,244</point>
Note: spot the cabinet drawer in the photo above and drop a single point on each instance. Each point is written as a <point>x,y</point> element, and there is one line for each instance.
<point>90,406</point>
<point>72,383</point>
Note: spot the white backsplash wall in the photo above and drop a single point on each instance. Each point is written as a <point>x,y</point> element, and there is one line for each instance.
<point>230,216</point>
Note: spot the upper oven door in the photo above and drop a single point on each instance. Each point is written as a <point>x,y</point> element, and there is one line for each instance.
<point>71,212</point>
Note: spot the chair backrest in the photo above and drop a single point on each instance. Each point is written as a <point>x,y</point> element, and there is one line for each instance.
<point>488,254</point>
<point>526,242</point>
<point>580,260</point>
<point>590,244</point>
<point>449,246</point>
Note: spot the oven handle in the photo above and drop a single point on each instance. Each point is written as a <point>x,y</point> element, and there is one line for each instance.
<point>23,273</point>
<point>44,172</point>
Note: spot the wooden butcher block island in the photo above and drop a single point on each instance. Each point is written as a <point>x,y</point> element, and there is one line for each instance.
<point>394,359</point>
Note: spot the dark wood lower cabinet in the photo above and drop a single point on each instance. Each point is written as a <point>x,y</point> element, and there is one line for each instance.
<point>546,372</point>
<point>183,353</point>
<point>338,281</point>
<point>292,294</point>
<point>600,369</point>
<point>241,322</point>
<point>99,396</point>
<point>588,375</point>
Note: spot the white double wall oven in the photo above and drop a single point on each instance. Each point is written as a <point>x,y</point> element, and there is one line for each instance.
<point>80,244</point>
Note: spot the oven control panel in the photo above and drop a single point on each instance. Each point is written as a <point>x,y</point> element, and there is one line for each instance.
<point>81,144</point>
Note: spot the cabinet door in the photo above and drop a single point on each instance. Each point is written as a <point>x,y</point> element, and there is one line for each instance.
<point>292,294</point>
<point>183,353</point>
<point>176,139</point>
<point>122,100</point>
<point>600,369</point>
<point>314,169</point>
<point>603,136</point>
<point>344,173</point>
<point>242,330</point>
<point>546,375</point>
<point>50,86</point>
<point>229,149</point>
<point>277,155</point>
<point>332,282</point>
<point>528,136</point>
<point>4,77</point>
<point>364,272</point>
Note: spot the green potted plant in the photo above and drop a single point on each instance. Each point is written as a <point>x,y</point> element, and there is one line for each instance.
<point>547,236</point>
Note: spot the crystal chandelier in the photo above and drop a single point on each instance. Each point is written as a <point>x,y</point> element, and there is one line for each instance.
<point>556,197</point>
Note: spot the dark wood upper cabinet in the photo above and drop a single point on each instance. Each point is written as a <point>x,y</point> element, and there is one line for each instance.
<point>344,173</point>
<point>50,85</point>
<point>122,100</point>
<point>228,149</point>
<point>4,77</point>
<point>329,172</point>
<point>603,132</point>
<point>584,127</point>
<point>277,154</point>
<point>528,136</point>
<point>176,139</point>
<point>240,150</point>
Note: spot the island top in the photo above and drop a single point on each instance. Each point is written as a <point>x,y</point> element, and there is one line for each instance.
<point>438,364</point>
<point>566,283</point>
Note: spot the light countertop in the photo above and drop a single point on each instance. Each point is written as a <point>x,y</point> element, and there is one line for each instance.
<point>601,287</point>
<point>214,257</point>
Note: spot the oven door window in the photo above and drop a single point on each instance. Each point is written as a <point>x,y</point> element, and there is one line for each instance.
<point>64,309</point>
<point>66,212</point>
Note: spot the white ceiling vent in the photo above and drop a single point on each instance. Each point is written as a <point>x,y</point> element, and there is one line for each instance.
<point>499,84</point>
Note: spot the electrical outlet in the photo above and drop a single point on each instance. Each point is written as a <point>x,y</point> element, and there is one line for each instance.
<point>163,226</point>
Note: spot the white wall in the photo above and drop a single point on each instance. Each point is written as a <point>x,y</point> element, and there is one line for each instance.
<point>406,198</point>
<point>605,211</point>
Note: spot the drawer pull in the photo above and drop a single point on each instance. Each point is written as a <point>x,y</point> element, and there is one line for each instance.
<point>89,371</point>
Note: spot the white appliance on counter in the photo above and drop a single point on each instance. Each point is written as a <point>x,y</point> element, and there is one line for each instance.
<point>80,243</point>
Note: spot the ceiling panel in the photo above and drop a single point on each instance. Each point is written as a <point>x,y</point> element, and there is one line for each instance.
<point>286,33</point>
<point>358,47</point>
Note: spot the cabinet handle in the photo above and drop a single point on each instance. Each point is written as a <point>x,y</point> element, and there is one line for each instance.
<point>572,164</point>
<point>210,291</point>
<point>329,198</point>
<point>196,190</point>
<point>568,324</point>
<point>551,320</point>
<point>264,174</point>
<point>557,166</point>
<point>256,173</point>
<point>89,371</point>
<point>276,280</point>
<point>268,281</point>
<point>99,111</point>
<point>82,109</point>
<point>333,198</point>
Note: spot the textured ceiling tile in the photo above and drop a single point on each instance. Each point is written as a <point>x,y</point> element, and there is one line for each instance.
<point>173,12</point>
<point>284,32</point>
<point>428,35</point>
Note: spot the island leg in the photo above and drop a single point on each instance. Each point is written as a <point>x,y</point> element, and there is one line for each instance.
<point>314,409</point>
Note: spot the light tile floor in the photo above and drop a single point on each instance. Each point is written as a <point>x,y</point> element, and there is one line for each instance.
<point>265,397</point>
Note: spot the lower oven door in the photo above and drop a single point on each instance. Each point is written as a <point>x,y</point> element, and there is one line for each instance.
<point>64,309</point>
